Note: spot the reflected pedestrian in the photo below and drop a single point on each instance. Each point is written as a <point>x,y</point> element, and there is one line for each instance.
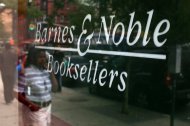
<point>58,56</point>
<point>8,62</point>
<point>34,90</point>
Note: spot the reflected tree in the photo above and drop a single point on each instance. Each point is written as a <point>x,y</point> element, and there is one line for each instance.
<point>176,11</point>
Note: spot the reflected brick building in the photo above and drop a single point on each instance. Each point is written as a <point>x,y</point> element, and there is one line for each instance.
<point>48,9</point>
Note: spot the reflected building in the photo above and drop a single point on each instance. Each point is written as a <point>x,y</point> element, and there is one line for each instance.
<point>49,11</point>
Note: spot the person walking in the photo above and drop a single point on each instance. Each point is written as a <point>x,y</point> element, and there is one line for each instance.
<point>8,62</point>
<point>34,90</point>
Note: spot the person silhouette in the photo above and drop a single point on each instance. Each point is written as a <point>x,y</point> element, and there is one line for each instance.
<point>8,62</point>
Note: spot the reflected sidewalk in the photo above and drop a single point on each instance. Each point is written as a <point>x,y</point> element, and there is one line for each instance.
<point>9,114</point>
<point>78,108</point>
<point>74,107</point>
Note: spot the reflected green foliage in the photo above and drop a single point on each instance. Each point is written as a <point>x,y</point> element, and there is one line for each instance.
<point>175,10</point>
<point>58,4</point>
<point>33,12</point>
<point>76,18</point>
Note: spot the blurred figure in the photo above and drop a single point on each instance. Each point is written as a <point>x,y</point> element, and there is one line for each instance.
<point>8,62</point>
<point>58,56</point>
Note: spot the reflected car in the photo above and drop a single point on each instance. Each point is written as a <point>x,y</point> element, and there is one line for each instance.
<point>150,81</point>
